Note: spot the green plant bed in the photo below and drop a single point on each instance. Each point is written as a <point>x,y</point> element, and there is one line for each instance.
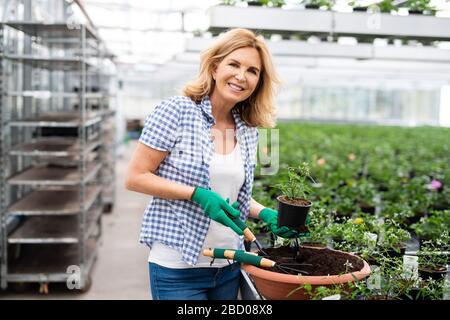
<point>402,171</point>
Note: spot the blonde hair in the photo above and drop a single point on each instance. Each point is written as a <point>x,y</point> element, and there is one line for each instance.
<point>258,110</point>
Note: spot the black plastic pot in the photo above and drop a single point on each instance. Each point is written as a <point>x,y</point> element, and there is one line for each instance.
<point>254,3</point>
<point>366,208</point>
<point>415,295</point>
<point>360,9</point>
<point>426,273</point>
<point>292,216</point>
<point>396,252</point>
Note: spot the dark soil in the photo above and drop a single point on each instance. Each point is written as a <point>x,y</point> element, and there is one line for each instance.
<point>312,262</point>
<point>295,202</point>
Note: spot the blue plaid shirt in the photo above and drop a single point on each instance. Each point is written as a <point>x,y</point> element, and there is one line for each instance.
<point>183,128</point>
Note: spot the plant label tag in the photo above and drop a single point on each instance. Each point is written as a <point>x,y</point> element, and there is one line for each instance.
<point>374,280</point>
<point>333,297</point>
<point>371,239</point>
<point>446,289</point>
<point>279,241</point>
<point>410,267</point>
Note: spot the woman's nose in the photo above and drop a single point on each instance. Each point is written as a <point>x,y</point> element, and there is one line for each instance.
<point>240,75</point>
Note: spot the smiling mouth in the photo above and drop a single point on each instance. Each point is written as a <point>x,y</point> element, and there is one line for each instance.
<point>235,87</point>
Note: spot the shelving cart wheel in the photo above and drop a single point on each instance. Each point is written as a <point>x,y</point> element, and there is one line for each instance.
<point>43,288</point>
<point>87,285</point>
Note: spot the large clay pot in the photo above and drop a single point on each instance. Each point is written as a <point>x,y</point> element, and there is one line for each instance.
<point>277,286</point>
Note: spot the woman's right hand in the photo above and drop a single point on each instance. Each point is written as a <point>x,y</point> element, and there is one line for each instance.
<point>216,208</point>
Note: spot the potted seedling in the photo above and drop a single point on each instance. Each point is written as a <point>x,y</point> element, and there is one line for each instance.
<point>257,3</point>
<point>293,206</point>
<point>385,6</point>
<point>392,239</point>
<point>420,7</point>
<point>316,4</point>
<point>432,257</point>
<point>357,7</point>
<point>318,222</point>
<point>431,227</point>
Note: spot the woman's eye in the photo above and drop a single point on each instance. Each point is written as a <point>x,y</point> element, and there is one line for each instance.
<point>233,64</point>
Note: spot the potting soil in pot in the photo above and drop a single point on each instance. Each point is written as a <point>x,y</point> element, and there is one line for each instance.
<point>313,262</point>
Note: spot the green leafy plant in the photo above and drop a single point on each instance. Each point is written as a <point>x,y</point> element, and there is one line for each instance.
<point>384,6</point>
<point>420,5</point>
<point>320,3</point>
<point>398,212</point>
<point>431,254</point>
<point>431,227</point>
<point>277,3</point>
<point>318,222</point>
<point>392,236</point>
<point>297,186</point>
<point>321,292</point>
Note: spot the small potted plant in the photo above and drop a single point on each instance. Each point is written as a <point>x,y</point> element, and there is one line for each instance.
<point>293,207</point>
<point>257,3</point>
<point>431,227</point>
<point>392,239</point>
<point>420,7</point>
<point>317,4</point>
<point>432,259</point>
<point>357,7</point>
<point>385,6</point>
<point>316,236</point>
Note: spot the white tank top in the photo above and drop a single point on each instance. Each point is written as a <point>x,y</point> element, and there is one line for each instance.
<point>227,175</point>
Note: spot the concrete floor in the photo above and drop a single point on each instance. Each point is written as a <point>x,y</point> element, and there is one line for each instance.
<point>120,271</point>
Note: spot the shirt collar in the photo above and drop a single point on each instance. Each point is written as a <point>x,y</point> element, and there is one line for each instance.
<point>206,107</point>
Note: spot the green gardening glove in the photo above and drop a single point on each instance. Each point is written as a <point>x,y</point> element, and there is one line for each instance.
<point>270,217</point>
<point>217,208</point>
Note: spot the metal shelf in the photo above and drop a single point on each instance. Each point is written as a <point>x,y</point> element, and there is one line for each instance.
<point>320,22</point>
<point>55,147</point>
<point>63,119</point>
<point>361,51</point>
<point>54,176</point>
<point>34,265</point>
<point>41,229</point>
<point>54,202</point>
<point>42,94</point>
<point>54,30</point>
<point>50,63</point>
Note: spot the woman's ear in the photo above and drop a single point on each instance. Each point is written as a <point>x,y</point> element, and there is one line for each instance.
<point>214,71</point>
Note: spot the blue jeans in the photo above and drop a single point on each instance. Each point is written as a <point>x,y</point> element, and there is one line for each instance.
<point>194,283</point>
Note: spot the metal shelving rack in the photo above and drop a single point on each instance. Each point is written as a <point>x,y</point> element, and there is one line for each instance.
<point>52,151</point>
<point>2,187</point>
<point>106,104</point>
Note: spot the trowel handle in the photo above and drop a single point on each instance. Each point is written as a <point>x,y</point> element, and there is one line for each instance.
<point>239,256</point>
<point>248,234</point>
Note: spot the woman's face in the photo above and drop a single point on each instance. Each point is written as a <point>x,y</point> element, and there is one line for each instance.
<point>237,75</point>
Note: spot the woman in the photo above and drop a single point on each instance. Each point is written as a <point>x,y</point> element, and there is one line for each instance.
<point>196,155</point>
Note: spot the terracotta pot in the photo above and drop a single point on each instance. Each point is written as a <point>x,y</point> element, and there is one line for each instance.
<point>277,286</point>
